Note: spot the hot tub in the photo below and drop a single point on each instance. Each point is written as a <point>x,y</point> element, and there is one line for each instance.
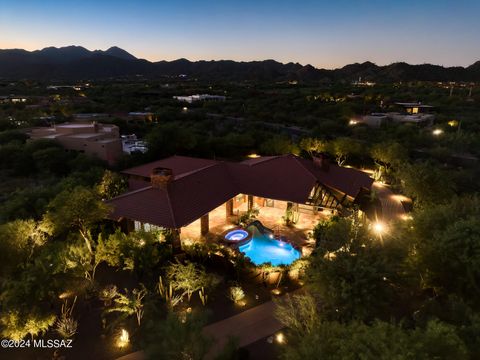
<point>236,235</point>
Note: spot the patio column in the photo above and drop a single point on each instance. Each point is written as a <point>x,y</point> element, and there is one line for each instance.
<point>204,225</point>
<point>250,202</point>
<point>228,208</point>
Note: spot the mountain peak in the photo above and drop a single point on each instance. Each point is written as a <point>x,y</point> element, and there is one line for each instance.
<point>115,51</point>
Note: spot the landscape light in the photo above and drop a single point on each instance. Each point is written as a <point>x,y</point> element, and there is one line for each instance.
<point>280,338</point>
<point>353,122</point>
<point>437,132</point>
<point>453,123</point>
<point>253,156</point>
<point>276,291</point>
<point>185,108</point>
<point>379,227</point>
<point>123,339</point>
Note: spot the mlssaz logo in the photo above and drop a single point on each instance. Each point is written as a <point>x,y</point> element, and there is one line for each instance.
<point>52,343</point>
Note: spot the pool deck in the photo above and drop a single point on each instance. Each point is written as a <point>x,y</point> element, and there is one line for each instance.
<point>269,217</point>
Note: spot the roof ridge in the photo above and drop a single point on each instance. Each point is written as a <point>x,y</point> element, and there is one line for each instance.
<point>182,175</point>
<point>262,160</point>
<point>297,159</point>
<point>130,193</point>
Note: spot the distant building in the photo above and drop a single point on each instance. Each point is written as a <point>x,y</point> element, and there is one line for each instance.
<point>141,116</point>
<point>100,140</point>
<point>373,120</point>
<point>130,143</point>
<point>13,99</point>
<point>89,116</point>
<point>200,97</point>
<point>73,87</point>
<point>413,113</point>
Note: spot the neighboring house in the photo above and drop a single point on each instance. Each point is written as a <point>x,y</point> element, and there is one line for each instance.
<point>413,113</point>
<point>13,99</point>
<point>176,191</point>
<point>100,140</point>
<point>89,116</point>
<point>141,116</point>
<point>199,97</point>
<point>130,143</point>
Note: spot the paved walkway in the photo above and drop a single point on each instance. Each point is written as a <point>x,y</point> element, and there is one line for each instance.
<point>392,208</point>
<point>247,327</point>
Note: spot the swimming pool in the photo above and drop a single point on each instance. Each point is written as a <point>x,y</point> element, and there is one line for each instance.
<point>262,249</point>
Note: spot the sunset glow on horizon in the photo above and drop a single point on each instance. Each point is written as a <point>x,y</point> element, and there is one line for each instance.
<point>324,34</point>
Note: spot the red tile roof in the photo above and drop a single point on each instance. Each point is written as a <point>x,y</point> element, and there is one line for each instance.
<point>179,164</point>
<point>200,185</point>
<point>185,199</point>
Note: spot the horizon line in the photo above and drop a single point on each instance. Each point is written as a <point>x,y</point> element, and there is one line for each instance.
<point>246,61</point>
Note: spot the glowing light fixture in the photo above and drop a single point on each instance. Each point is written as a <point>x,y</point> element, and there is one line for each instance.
<point>123,339</point>
<point>253,156</point>
<point>437,132</point>
<point>379,227</point>
<point>453,123</point>
<point>280,338</point>
<point>276,291</point>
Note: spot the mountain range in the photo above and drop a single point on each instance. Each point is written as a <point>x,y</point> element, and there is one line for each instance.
<point>79,63</point>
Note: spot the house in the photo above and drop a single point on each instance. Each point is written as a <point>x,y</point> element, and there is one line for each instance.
<point>130,144</point>
<point>141,116</point>
<point>13,99</point>
<point>199,97</point>
<point>412,113</point>
<point>186,194</point>
<point>100,140</point>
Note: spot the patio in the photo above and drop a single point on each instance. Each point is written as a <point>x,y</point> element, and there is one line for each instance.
<point>269,216</point>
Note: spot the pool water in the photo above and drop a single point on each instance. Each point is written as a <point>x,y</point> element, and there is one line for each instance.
<point>236,235</point>
<point>262,249</point>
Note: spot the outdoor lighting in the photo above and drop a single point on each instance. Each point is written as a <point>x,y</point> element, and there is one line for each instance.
<point>65,295</point>
<point>353,122</point>
<point>280,338</point>
<point>453,123</point>
<point>379,227</point>
<point>123,339</point>
<point>437,132</point>
<point>242,303</point>
<point>270,236</point>
<point>276,291</point>
<point>185,108</point>
<point>253,156</point>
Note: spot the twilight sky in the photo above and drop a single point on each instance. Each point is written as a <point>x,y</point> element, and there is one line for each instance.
<point>323,33</point>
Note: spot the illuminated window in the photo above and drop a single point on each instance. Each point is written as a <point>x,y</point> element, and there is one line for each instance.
<point>415,110</point>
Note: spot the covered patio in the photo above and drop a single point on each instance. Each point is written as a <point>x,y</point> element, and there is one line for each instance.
<point>222,218</point>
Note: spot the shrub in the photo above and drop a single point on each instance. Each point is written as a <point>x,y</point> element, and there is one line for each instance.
<point>236,293</point>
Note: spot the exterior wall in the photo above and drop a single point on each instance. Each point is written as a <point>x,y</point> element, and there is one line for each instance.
<point>102,141</point>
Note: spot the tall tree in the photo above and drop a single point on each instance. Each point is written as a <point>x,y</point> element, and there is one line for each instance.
<point>80,209</point>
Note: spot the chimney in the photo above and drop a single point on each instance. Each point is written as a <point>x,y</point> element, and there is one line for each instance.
<point>321,162</point>
<point>160,177</point>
